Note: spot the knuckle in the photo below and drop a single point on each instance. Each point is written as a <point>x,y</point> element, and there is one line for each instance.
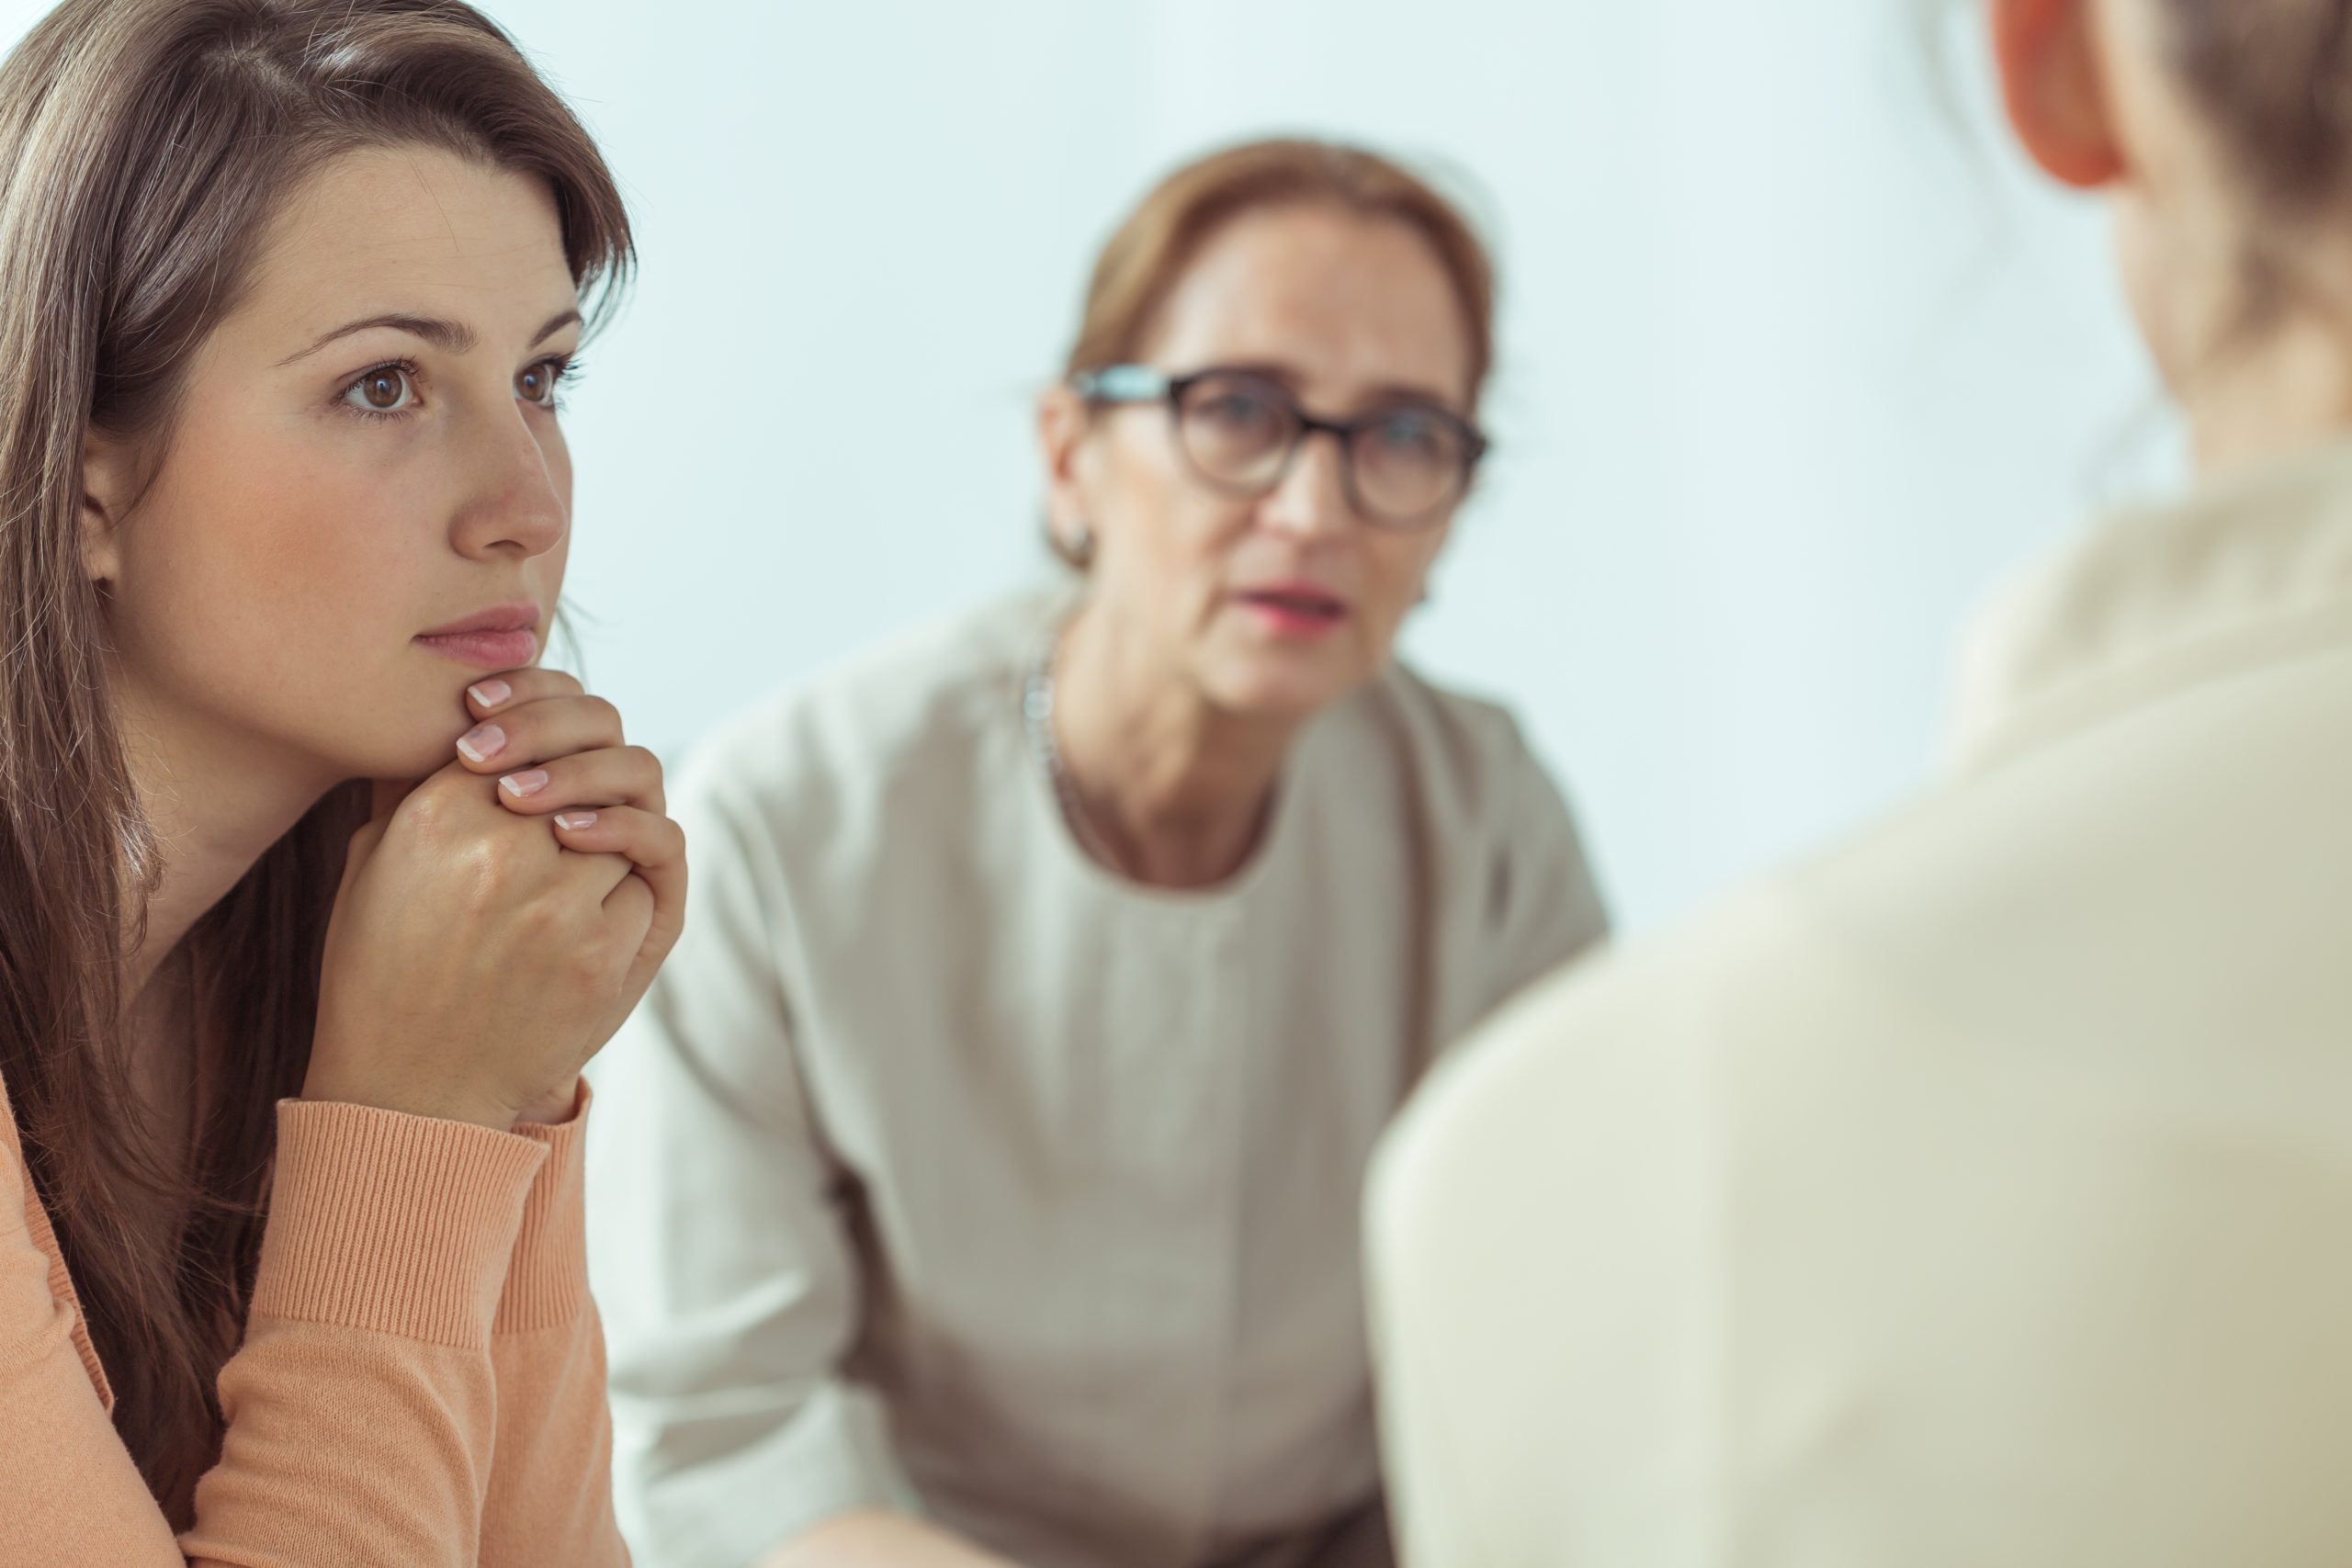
<point>543,918</point>
<point>589,967</point>
<point>508,862</point>
<point>428,809</point>
<point>492,866</point>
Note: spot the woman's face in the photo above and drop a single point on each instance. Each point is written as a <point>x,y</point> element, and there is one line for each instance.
<point>366,498</point>
<point>1350,315</point>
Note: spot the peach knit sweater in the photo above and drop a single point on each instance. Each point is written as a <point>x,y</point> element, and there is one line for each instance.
<point>422,1380</point>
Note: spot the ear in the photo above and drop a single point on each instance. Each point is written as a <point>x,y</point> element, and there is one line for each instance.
<point>1063,423</point>
<point>2047,52</point>
<point>106,480</point>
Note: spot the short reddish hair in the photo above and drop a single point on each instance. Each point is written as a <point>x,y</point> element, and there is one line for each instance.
<point>1140,264</point>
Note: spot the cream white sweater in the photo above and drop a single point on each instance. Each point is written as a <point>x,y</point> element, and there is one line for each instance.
<point>1979,1194</point>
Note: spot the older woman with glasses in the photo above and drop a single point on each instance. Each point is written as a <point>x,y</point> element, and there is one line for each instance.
<point>980,1183</point>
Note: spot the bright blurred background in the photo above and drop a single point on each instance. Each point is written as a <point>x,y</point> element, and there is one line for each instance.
<point>1796,362</point>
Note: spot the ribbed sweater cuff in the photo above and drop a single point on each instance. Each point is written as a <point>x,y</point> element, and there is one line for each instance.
<point>403,1225</point>
<point>547,1283</point>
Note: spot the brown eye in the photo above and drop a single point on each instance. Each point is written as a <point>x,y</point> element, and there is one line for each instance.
<point>386,389</point>
<point>537,384</point>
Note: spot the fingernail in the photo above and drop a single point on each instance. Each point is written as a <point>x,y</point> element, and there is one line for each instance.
<point>520,784</point>
<point>482,742</point>
<point>490,693</point>
<point>575,819</point>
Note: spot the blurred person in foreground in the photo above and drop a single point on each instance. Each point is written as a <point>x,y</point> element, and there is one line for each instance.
<point>1978,1193</point>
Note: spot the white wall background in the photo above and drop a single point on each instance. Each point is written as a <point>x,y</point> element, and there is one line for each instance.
<point>1796,364</point>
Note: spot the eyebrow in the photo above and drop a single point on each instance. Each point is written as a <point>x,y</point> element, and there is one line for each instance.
<point>1399,392</point>
<point>454,337</point>
<point>1387,394</point>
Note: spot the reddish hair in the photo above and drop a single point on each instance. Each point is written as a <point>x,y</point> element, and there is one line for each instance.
<point>1141,263</point>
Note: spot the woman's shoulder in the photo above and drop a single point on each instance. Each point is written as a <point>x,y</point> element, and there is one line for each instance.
<point>14,1178</point>
<point>33,1281</point>
<point>919,704</point>
<point>1468,752</point>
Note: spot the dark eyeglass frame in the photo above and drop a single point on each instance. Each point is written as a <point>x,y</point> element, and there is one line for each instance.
<point>1120,385</point>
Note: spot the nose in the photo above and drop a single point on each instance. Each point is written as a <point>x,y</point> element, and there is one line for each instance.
<point>519,504</point>
<point>1312,502</point>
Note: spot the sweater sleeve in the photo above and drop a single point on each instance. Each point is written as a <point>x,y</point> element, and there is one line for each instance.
<point>550,1485</point>
<point>361,1405</point>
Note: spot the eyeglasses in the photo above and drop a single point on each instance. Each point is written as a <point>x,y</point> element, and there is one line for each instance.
<point>1402,465</point>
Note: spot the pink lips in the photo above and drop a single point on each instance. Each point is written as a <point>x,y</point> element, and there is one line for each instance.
<point>1297,611</point>
<point>505,637</point>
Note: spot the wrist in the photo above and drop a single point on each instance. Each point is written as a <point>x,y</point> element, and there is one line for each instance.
<point>437,1102</point>
<point>554,1108</point>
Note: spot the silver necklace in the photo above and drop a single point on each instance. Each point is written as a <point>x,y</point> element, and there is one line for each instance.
<point>1037,715</point>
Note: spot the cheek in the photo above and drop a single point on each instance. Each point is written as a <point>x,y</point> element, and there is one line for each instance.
<point>292,537</point>
<point>1400,566</point>
<point>272,579</point>
<point>1162,524</point>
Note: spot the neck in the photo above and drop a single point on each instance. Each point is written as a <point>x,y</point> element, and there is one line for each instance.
<point>1176,788</point>
<point>215,808</point>
<point>2287,389</point>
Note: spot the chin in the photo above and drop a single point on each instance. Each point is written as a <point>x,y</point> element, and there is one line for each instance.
<point>404,740</point>
<point>1288,693</point>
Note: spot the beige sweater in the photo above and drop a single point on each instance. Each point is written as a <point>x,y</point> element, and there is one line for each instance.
<point>1981,1194</point>
<point>943,1170</point>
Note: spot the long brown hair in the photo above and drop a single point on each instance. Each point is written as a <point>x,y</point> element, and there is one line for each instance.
<point>145,145</point>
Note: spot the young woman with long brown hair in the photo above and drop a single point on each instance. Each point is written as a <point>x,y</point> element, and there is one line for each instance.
<point>315,893</point>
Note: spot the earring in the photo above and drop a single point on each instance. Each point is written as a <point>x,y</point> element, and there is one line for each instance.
<point>1082,547</point>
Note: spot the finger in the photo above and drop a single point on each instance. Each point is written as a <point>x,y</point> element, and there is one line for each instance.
<point>526,734</point>
<point>642,927</point>
<point>594,873</point>
<point>655,847</point>
<point>632,909</point>
<point>453,804</point>
<point>618,775</point>
<point>652,843</point>
<point>516,687</point>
